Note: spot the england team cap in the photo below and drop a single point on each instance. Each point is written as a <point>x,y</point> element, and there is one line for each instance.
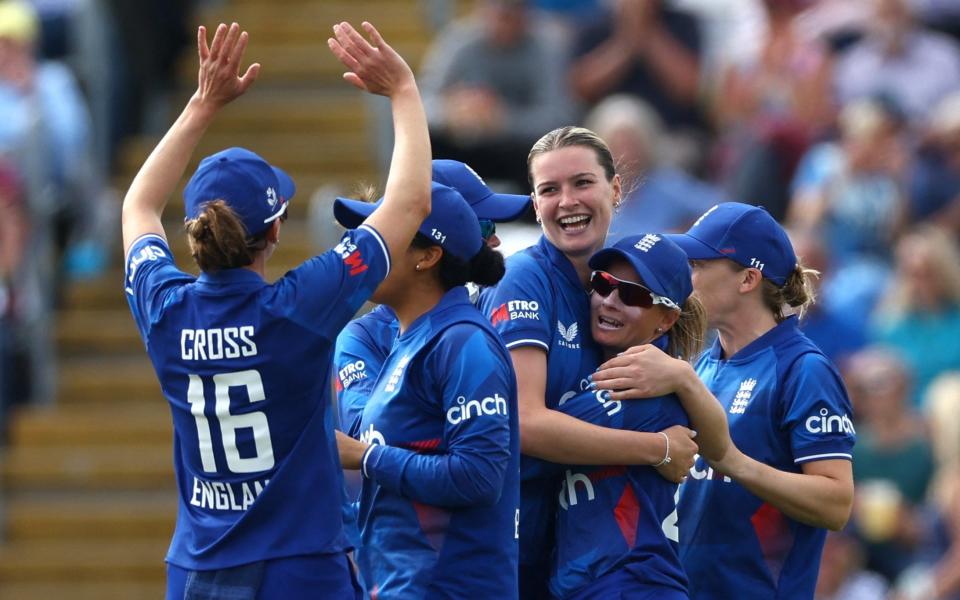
<point>661,264</point>
<point>255,190</point>
<point>745,234</point>
<point>484,201</point>
<point>452,224</point>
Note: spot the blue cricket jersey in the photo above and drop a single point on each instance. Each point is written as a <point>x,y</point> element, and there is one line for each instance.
<point>358,357</point>
<point>541,302</point>
<point>439,505</point>
<point>786,405</point>
<point>245,368</point>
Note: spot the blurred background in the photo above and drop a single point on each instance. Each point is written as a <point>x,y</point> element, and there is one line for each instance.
<point>842,117</point>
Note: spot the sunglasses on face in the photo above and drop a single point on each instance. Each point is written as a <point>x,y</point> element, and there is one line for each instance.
<point>631,294</point>
<point>487,228</point>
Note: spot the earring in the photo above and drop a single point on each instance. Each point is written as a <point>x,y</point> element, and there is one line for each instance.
<point>659,329</point>
<point>418,266</point>
<point>538,219</point>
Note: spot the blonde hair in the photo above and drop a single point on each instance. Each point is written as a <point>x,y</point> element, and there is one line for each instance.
<point>568,136</point>
<point>797,293</point>
<point>687,336</point>
<point>944,255</point>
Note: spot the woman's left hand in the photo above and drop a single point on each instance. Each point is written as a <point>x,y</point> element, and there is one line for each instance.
<point>351,451</point>
<point>219,80</point>
<point>640,372</point>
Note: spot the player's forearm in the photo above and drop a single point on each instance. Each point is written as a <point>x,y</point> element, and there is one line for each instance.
<point>706,414</point>
<point>161,172</point>
<point>557,437</point>
<point>814,500</point>
<point>408,184</point>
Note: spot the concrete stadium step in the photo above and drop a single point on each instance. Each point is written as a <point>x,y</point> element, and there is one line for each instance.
<point>84,590</point>
<point>101,517</point>
<point>51,561</point>
<point>291,110</point>
<point>122,382</point>
<point>92,425</point>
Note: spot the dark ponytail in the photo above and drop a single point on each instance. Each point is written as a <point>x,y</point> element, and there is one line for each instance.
<point>485,268</point>
<point>218,240</point>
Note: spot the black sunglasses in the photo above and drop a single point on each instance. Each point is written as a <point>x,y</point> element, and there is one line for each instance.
<point>631,294</point>
<point>487,228</point>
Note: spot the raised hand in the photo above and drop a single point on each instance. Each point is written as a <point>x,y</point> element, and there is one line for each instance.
<point>373,65</point>
<point>219,79</point>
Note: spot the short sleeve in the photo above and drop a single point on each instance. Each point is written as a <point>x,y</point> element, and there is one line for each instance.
<point>357,360</point>
<point>817,411</point>
<point>150,274</point>
<point>520,304</point>
<point>326,291</point>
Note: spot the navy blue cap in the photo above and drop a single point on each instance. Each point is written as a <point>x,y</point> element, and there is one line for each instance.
<point>452,224</point>
<point>745,234</point>
<point>661,264</point>
<point>255,190</point>
<point>483,200</point>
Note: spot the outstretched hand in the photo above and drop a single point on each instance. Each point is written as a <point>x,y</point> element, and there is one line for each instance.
<point>219,80</point>
<point>373,67</point>
<point>639,372</point>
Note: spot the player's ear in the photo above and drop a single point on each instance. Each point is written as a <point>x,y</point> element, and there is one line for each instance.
<point>273,232</point>
<point>431,256</point>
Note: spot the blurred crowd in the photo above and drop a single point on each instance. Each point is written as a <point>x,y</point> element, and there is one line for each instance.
<point>841,117</point>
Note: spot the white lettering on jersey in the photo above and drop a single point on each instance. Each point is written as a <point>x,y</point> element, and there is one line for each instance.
<point>220,495</point>
<point>567,335</point>
<point>568,489</point>
<point>827,423</point>
<point>396,375</point>
<point>516,309</point>
<point>465,410</point>
<point>214,344</point>
<point>709,473</point>
<point>352,373</point>
<point>146,253</point>
<point>742,398</point>
<point>372,436</point>
<point>603,397</point>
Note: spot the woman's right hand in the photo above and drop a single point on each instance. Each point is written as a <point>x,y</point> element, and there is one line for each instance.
<point>683,452</point>
<point>374,68</point>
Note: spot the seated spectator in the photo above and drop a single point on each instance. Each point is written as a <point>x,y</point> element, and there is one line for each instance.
<point>769,105</point>
<point>491,86</point>
<point>935,177</point>
<point>892,461</point>
<point>899,58</point>
<point>842,574</point>
<point>920,316</point>
<point>657,196</point>
<point>647,49</point>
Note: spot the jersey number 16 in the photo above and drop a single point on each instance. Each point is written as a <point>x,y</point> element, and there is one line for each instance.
<point>230,423</point>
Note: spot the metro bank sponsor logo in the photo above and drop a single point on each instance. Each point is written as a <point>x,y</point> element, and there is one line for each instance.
<point>516,309</point>
<point>351,256</point>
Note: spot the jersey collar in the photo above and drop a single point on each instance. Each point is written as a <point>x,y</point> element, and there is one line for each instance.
<point>783,330</point>
<point>452,298</point>
<point>231,277</point>
<point>561,262</point>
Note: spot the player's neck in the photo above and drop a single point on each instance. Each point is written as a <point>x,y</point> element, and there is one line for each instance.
<point>259,265</point>
<point>740,328</point>
<point>415,304</point>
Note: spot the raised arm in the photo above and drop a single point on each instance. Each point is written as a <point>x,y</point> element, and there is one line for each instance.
<point>554,436</point>
<point>378,69</point>
<point>219,82</point>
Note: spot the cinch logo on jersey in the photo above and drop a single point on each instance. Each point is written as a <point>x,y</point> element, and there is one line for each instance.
<point>219,495</point>
<point>709,473</point>
<point>372,436</point>
<point>350,254</point>
<point>464,410</point>
<point>742,398</point>
<point>568,489</point>
<point>396,375</point>
<point>146,253</point>
<point>516,309</point>
<point>567,335</point>
<point>214,344</point>
<point>603,397</point>
<point>352,373</point>
<point>647,242</point>
<point>827,423</point>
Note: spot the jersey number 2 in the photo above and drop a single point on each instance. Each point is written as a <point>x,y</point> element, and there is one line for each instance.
<point>230,423</point>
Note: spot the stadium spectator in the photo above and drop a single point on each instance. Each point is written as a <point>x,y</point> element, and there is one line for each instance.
<point>935,177</point>
<point>842,576</point>
<point>281,533</point>
<point>754,514</point>
<point>541,311</point>
<point>657,195</point>
<point>13,232</point>
<point>892,448</point>
<point>647,49</point>
<point>919,318</point>
<point>900,59</point>
<point>491,85</point>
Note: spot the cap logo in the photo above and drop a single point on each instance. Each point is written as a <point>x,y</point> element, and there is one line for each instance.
<point>704,215</point>
<point>647,242</point>
<point>756,264</point>
<point>272,197</point>
<point>438,235</point>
